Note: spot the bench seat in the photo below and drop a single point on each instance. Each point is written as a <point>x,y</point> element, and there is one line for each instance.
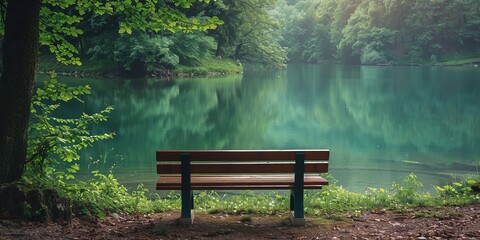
<point>240,182</point>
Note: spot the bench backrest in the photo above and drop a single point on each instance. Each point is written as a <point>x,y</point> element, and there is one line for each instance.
<point>242,161</point>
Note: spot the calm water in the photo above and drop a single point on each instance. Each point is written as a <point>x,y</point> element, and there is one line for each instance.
<point>380,123</point>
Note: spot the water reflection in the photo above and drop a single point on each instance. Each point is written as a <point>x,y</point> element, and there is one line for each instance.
<point>380,123</point>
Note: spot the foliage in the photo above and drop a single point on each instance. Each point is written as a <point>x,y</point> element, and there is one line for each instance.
<point>370,56</point>
<point>408,193</point>
<point>466,186</point>
<point>148,53</point>
<point>60,21</point>
<point>378,31</point>
<point>54,141</point>
<point>192,49</point>
<point>331,199</point>
<point>102,193</point>
<point>249,32</point>
<point>144,52</point>
<point>106,30</point>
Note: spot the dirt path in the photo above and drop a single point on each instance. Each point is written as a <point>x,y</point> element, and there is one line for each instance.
<point>422,223</point>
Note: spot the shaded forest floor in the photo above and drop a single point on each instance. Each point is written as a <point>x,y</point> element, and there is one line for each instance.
<point>419,223</point>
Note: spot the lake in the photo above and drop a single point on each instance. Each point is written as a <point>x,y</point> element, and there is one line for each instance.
<point>380,123</point>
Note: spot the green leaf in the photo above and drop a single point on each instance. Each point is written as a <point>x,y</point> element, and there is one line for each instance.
<point>457,184</point>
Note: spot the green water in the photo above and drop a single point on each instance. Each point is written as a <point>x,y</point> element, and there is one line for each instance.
<point>380,123</point>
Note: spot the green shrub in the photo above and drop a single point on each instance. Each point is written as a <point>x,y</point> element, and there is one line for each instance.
<point>102,193</point>
<point>53,142</point>
<point>151,53</point>
<point>407,193</point>
<point>192,48</point>
<point>370,56</point>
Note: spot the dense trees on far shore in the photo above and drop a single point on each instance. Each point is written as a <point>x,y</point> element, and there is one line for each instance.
<point>247,33</point>
<point>274,32</point>
<point>380,31</point>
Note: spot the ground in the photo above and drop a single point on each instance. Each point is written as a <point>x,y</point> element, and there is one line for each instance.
<point>420,223</point>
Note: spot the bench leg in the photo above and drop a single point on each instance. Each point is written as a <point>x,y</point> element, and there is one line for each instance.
<point>298,215</point>
<point>187,193</point>
<point>187,208</point>
<point>292,205</point>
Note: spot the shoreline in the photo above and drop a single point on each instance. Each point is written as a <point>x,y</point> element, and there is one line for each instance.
<point>162,75</point>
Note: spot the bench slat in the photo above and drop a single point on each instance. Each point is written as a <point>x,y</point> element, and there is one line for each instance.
<point>242,168</point>
<point>243,155</point>
<point>240,182</point>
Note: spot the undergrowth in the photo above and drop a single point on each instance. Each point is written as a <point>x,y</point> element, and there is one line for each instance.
<point>104,194</point>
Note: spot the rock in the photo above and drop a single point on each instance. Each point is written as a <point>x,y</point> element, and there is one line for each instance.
<point>23,202</point>
<point>421,238</point>
<point>35,208</point>
<point>13,201</point>
<point>116,216</point>
<point>61,208</point>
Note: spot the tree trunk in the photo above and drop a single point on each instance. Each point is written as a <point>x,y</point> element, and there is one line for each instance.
<point>20,57</point>
<point>219,51</point>
<point>238,48</point>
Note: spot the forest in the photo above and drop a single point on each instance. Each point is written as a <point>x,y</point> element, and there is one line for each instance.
<point>273,33</point>
<point>380,31</point>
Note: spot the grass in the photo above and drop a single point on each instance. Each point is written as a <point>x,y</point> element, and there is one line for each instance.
<point>333,199</point>
<point>104,194</point>
<point>212,66</point>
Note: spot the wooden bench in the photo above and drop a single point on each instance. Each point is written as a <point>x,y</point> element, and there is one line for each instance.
<point>189,170</point>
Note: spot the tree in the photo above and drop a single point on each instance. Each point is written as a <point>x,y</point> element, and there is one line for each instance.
<point>20,53</point>
<point>250,33</point>
<point>365,35</point>
<point>299,25</point>
<point>306,31</point>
